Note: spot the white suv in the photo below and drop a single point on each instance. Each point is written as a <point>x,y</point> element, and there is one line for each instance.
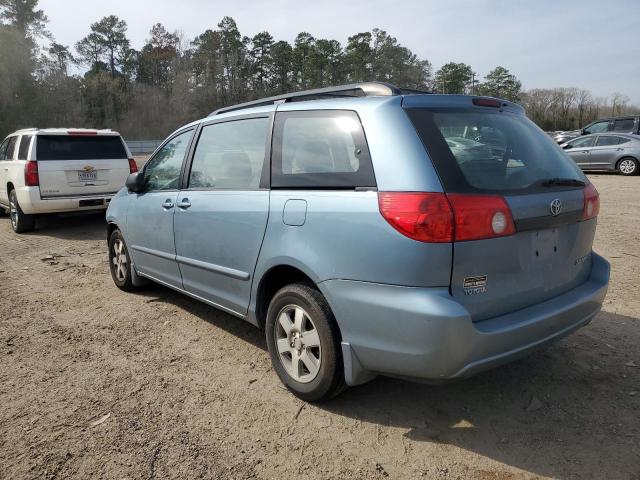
<point>60,170</point>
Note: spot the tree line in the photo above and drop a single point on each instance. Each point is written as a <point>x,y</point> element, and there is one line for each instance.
<point>102,82</point>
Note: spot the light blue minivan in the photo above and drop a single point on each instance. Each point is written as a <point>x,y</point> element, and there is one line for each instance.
<point>369,230</point>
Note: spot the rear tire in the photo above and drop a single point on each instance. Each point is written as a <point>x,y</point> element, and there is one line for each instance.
<point>303,341</point>
<point>20,221</point>
<point>628,166</point>
<point>120,263</point>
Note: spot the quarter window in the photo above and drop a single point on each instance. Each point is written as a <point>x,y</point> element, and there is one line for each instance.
<point>8,154</point>
<point>162,172</point>
<point>320,149</point>
<point>23,151</point>
<point>3,148</point>
<point>230,155</point>
<point>623,125</point>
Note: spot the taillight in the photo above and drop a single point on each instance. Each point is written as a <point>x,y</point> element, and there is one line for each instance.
<point>440,218</point>
<point>591,202</point>
<point>426,217</point>
<point>481,216</point>
<point>133,166</point>
<point>31,178</point>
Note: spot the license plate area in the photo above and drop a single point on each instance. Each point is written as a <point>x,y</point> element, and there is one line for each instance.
<point>545,244</point>
<point>87,176</point>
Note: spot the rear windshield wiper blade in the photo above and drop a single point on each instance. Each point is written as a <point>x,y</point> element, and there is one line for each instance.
<point>562,182</point>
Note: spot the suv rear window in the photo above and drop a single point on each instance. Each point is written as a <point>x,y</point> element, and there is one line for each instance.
<point>62,147</point>
<point>476,150</point>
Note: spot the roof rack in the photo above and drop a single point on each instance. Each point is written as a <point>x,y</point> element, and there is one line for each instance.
<point>353,90</point>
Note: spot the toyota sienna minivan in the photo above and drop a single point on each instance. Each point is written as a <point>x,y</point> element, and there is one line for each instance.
<point>369,230</point>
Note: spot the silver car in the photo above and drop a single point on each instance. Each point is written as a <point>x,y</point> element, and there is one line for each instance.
<point>606,151</point>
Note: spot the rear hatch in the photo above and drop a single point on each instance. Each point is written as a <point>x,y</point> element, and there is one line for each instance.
<point>545,249</point>
<point>81,164</point>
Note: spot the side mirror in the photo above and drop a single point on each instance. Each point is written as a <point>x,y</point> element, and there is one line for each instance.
<point>135,182</point>
<point>566,146</point>
<point>584,132</point>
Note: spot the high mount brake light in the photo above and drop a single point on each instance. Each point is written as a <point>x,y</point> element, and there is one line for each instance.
<point>31,177</point>
<point>487,102</point>
<point>591,202</point>
<point>439,218</point>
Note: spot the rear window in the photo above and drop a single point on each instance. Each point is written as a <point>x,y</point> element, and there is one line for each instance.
<point>476,150</point>
<point>624,125</point>
<point>61,147</point>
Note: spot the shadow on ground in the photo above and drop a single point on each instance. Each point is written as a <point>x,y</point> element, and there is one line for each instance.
<point>85,226</point>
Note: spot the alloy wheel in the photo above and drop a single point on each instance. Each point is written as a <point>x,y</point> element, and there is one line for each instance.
<point>120,260</point>
<point>627,166</point>
<point>298,344</point>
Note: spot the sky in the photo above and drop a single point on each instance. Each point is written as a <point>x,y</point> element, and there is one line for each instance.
<point>563,43</point>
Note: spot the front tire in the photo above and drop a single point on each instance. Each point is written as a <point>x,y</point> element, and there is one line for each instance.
<point>120,262</point>
<point>303,341</point>
<point>628,166</point>
<point>20,221</point>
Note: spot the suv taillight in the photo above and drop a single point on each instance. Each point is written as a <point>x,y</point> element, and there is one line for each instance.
<point>31,178</point>
<point>440,218</point>
<point>591,202</point>
<point>133,166</point>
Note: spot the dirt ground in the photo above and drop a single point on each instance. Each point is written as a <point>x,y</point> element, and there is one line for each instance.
<point>97,383</point>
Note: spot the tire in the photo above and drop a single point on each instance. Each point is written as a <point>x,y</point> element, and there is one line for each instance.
<point>120,263</point>
<point>628,166</point>
<point>312,371</point>
<point>20,221</point>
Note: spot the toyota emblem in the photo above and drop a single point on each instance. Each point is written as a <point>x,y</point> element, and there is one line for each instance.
<point>555,207</point>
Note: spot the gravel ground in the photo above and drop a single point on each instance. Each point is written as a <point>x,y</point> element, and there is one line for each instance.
<point>97,383</point>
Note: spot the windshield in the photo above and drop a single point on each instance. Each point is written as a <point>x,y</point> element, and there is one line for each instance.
<point>482,150</point>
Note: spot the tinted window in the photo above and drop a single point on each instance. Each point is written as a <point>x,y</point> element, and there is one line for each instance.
<point>9,153</point>
<point>162,172</point>
<point>623,125</point>
<point>63,147</point>
<point>3,148</point>
<point>230,155</point>
<point>597,127</point>
<point>482,150</point>
<point>582,142</point>
<point>321,149</point>
<point>23,151</point>
<point>604,141</point>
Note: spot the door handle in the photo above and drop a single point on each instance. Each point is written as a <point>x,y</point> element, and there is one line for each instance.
<point>168,204</point>
<point>184,203</point>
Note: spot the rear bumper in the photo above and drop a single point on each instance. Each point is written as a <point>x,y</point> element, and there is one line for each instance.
<point>424,334</point>
<point>32,204</point>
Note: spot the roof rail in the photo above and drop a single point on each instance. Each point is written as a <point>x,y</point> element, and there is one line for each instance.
<point>353,90</point>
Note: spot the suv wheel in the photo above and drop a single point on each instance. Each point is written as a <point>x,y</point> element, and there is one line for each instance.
<point>628,166</point>
<point>303,342</point>
<point>120,262</point>
<point>20,221</point>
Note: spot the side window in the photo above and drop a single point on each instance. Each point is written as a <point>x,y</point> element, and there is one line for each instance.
<point>622,140</point>
<point>230,155</point>
<point>606,140</point>
<point>320,149</point>
<point>23,151</point>
<point>623,125</point>
<point>9,153</point>
<point>582,142</point>
<point>162,172</point>
<point>597,127</point>
<point>3,148</point>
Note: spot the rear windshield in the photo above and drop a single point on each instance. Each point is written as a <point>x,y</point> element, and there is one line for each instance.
<point>490,151</point>
<point>60,147</point>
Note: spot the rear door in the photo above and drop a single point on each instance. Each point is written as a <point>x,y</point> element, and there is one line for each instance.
<point>6,157</point>
<point>549,252</point>
<point>605,151</point>
<point>221,215</point>
<point>81,164</point>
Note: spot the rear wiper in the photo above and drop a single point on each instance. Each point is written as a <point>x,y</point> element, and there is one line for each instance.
<point>562,182</point>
